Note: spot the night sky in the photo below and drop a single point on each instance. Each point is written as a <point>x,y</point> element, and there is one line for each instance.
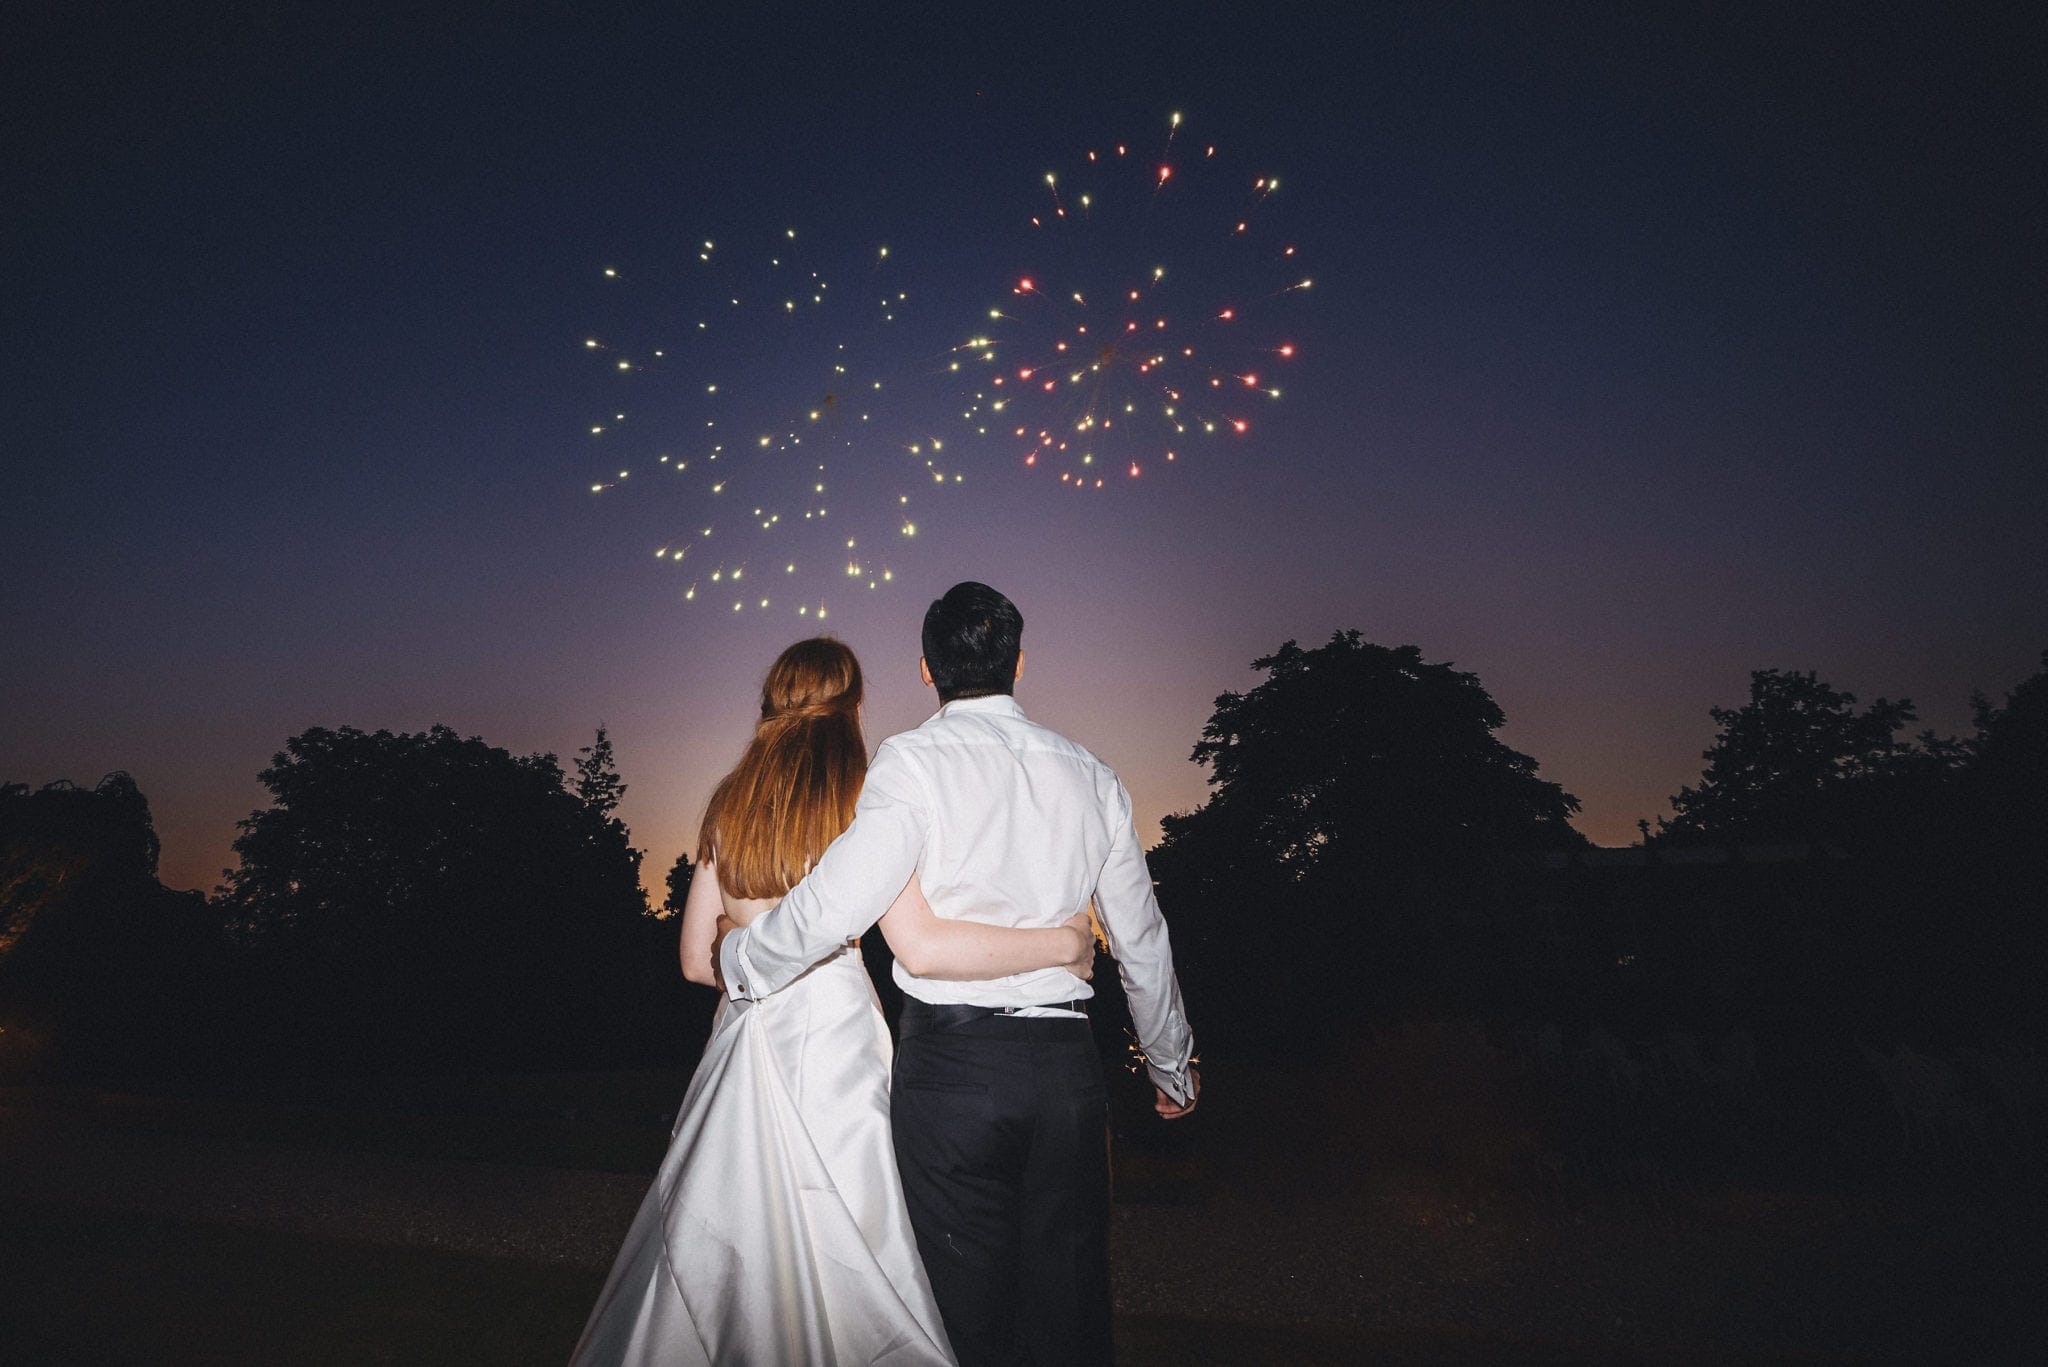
<point>1645,349</point>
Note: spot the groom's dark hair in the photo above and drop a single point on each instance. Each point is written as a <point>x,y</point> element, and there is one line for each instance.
<point>971,640</point>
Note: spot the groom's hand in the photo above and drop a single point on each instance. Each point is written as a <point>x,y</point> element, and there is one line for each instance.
<point>724,927</point>
<point>1169,1109</point>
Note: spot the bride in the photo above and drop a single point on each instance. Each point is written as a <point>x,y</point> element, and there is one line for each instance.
<point>775,1231</point>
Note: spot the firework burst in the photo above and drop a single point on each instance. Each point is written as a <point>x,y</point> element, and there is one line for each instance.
<point>1154,315</point>
<point>751,401</point>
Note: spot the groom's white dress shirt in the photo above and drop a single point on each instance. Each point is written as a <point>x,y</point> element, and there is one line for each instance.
<point>1004,822</point>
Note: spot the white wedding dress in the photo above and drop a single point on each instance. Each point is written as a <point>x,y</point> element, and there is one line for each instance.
<point>775,1234</point>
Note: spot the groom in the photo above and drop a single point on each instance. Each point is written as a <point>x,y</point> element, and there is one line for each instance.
<point>998,1108</point>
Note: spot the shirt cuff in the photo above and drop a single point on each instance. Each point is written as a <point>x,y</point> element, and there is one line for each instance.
<point>1175,1078</point>
<point>1176,1083</point>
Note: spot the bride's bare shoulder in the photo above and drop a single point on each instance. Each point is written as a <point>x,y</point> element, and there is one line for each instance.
<point>745,909</point>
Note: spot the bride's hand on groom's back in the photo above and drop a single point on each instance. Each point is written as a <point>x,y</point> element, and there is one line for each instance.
<point>1082,965</point>
<point>724,927</point>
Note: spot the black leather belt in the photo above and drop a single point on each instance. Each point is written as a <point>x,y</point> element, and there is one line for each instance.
<point>942,1015</point>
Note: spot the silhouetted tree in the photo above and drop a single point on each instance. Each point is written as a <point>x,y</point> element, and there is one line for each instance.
<point>1362,801</point>
<point>1797,762</point>
<point>597,781</point>
<point>679,875</point>
<point>2003,806</point>
<point>438,895</point>
<point>2010,749</point>
<point>1356,755</point>
<point>599,788</point>
<point>101,966</point>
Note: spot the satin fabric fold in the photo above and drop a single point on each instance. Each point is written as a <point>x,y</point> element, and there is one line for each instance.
<point>775,1232</point>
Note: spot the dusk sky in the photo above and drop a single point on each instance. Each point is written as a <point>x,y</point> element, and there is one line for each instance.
<point>1646,348</point>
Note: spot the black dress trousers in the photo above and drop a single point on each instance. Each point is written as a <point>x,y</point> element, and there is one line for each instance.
<point>1002,1137</point>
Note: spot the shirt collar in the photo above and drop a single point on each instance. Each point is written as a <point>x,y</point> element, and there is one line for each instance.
<point>997,704</point>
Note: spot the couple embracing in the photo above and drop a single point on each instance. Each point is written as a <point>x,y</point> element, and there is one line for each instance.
<point>809,1209</point>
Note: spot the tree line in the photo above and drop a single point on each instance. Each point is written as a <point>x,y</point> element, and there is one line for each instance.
<point>429,901</point>
<point>423,901</point>
<point>1370,847</point>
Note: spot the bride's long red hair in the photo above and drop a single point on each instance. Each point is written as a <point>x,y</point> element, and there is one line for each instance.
<point>794,789</point>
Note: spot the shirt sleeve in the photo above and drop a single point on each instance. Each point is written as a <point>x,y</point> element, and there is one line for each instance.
<point>846,892</point>
<point>1136,931</point>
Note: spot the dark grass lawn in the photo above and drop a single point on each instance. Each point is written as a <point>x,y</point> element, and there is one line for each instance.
<point>87,1287</point>
<point>614,1121</point>
<point>1418,1195</point>
<point>80,1286</point>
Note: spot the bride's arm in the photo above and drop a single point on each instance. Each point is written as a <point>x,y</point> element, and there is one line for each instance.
<point>929,946</point>
<point>701,908</point>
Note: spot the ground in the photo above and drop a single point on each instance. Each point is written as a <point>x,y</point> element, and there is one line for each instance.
<point>452,1221</point>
